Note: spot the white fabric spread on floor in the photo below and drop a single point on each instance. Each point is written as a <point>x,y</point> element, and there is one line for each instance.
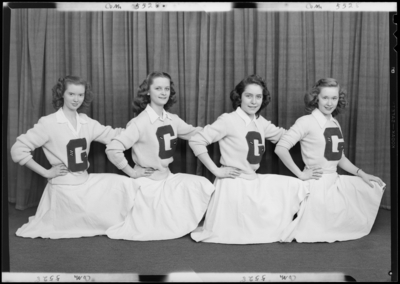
<point>165,209</point>
<point>85,210</point>
<point>339,208</point>
<point>245,211</point>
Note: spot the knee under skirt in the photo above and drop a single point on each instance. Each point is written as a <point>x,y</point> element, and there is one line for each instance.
<point>245,211</point>
<point>85,210</point>
<point>339,208</point>
<point>165,209</point>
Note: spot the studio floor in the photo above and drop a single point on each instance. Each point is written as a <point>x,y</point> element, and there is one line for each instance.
<point>365,260</point>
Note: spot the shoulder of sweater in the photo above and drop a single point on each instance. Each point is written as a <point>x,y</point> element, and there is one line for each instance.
<point>263,119</point>
<point>306,120</point>
<point>174,116</point>
<point>142,117</point>
<point>229,116</point>
<point>141,120</point>
<point>89,120</point>
<point>48,119</point>
<point>85,117</point>
<point>265,122</point>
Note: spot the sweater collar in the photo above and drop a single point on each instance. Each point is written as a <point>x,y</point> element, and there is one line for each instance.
<point>321,118</point>
<point>154,116</point>
<point>61,118</point>
<point>245,117</point>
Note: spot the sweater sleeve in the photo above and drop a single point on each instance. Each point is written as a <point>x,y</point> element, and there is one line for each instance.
<point>185,131</point>
<point>210,134</point>
<point>34,138</point>
<point>124,141</point>
<point>297,132</point>
<point>104,134</point>
<point>272,132</point>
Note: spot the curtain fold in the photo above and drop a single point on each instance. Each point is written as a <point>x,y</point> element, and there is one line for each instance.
<point>206,54</point>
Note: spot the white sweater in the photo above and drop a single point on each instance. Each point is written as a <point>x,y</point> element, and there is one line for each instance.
<point>62,144</point>
<point>241,140</point>
<point>321,140</point>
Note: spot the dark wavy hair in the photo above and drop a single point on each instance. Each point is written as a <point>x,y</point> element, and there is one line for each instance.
<point>236,93</point>
<point>311,98</point>
<point>62,85</point>
<point>142,99</point>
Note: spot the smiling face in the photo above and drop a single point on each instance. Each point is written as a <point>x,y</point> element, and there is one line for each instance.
<point>73,97</point>
<point>159,91</point>
<point>251,99</point>
<point>328,99</point>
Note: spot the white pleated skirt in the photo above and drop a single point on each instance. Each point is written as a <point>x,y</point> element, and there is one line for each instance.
<point>339,208</point>
<point>85,210</point>
<point>165,209</point>
<point>245,211</point>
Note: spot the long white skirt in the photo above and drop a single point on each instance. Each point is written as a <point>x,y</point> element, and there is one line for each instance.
<point>251,211</point>
<point>85,210</point>
<point>339,208</point>
<point>165,209</point>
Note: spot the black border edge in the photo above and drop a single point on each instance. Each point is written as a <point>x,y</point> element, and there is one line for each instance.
<point>5,245</point>
<point>393,145</point>
<point>32,5</point>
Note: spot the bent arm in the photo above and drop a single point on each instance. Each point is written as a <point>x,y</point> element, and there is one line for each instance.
<point>115,149</point>
<point>349,167</point>
<point>210,134</point>
<point>129,171</point>
<point>185,131</point>
<point>21,151</point>
<point>286,158</point>
<point>104,134</point>
<point>295,134</point>
<point>34,166</point>
<point>273,133</point>
<point>208,163</point>
<point>223,172</point>
<point>115,152</point>
<point>57,170</point>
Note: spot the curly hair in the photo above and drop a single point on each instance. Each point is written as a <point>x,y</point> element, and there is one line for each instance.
<point>142,99</point>
<point>62,85</point>
<point>311,98</point>
<point>236,94</point>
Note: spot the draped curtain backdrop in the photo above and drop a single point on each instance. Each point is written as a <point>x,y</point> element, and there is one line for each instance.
<point>206,54</point>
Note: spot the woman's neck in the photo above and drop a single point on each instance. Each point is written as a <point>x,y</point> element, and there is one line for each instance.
<point>71,115</point>
<point>327,116</point>
<point>251,116</point>
<point>158,109</point>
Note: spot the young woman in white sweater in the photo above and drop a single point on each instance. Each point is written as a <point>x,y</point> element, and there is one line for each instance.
<point>339,207</point>
<point>74,203</point>
<point>168,205</point>
<point>246,207</point>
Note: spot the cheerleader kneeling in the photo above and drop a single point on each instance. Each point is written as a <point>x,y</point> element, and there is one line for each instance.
<point>167,206</point>
<point>246,207</point>
<point>339,207</point>
<point>74,203</point>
